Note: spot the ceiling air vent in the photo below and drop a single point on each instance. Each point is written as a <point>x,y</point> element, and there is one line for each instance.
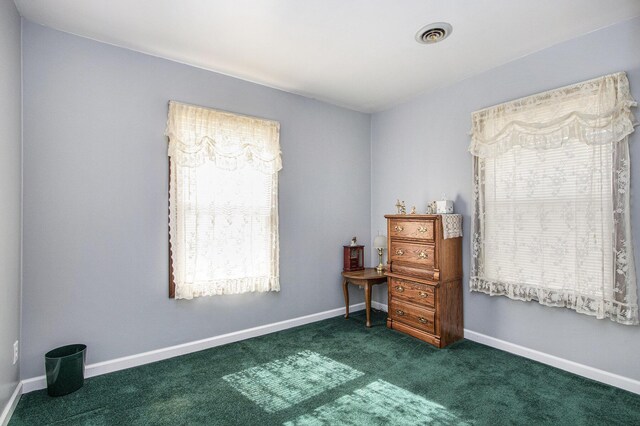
<point>433,33</point>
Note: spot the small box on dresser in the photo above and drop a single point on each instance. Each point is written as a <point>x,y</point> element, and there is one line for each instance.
<point>424,279</point>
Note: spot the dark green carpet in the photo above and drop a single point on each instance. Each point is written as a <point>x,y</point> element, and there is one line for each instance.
<point>337,372</point>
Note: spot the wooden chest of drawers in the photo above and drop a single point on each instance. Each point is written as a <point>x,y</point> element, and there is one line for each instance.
<point>424,278</point>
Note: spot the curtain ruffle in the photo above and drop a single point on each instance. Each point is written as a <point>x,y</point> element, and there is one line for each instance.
<point>594,112</point>
<point>227,286</point>
<point>598,307</point>
<point>239,156</point>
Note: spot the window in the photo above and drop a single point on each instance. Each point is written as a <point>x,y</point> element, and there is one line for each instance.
<point>223,202</point>
<point>551,219</point>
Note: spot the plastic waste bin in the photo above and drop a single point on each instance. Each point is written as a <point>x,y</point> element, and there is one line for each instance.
<point>65,369</point>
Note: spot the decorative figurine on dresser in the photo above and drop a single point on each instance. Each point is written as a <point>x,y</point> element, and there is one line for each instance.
<point>424,276</point>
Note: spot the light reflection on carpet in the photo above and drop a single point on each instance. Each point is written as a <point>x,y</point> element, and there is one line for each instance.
<point>283,383</point>
<point>379,403</point>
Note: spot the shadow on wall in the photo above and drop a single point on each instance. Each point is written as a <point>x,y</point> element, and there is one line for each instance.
<point>460,205</point>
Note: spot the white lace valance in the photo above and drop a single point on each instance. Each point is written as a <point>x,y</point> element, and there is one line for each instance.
<point>229,140</point>
<point>594,112</point>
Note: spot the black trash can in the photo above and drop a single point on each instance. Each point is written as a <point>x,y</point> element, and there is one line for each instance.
<point>65,369</point>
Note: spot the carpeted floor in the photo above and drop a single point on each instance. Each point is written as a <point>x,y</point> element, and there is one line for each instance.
<point>337,372</point>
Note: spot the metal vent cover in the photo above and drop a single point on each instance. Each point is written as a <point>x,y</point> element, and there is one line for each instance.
<point>433,33</point>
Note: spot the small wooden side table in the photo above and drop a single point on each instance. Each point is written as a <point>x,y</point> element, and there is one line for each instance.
<point>365,278</point>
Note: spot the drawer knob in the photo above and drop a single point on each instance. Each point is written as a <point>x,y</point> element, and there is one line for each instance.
<point>422,294</point>
<point>400,312</point>
<point>422,229</point>
<point>398,228</point>
<point>399,252</point>
<point>423,320</point>
<point>399,289</point>
<point>423,255</point>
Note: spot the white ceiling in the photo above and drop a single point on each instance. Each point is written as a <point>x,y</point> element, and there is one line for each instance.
<point>360,54</point>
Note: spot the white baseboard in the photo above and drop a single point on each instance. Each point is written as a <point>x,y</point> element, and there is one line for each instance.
<point>598,375</point>
<point>11,405</point>
<point>91,370</point>
<point>36,383</point>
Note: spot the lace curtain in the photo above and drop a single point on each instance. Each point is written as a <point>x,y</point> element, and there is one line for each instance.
<point>223,202</point>
<point>551,216</point>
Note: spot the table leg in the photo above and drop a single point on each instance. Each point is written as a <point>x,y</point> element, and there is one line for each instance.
<point>345,290</point>
<point>367,302</point>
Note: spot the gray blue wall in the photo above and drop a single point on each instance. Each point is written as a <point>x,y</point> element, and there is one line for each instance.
<point>10,198</point>
<point>95,244</point>
<point>95,200</point>
<point>419,151</point>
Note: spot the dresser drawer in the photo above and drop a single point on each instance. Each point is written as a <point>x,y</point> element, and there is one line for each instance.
<point>415,271</point>
<point>420,318</point>
<point>419,254</point>
<point>420,294</point>
<point>416,229</point>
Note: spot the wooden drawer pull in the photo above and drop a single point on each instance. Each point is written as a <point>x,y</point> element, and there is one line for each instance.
<point>400,312</point>
<point>423,255</point>
<point>423,320</point>
<point>423,294</point>
<point>399,289</point>
<point>399,252</point>
<point>422,229</point>
<point>398,228</point>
